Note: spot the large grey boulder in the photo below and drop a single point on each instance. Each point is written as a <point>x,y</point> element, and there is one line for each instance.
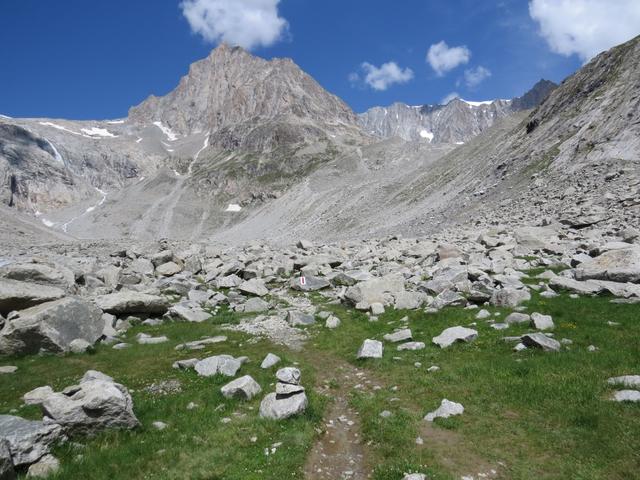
<point>409,300</point>
<point>455,334</point>
<point>7,471</point>
<point>280,407</point>
<point>189,313</point>
<point>218,364</point>
<point>376,290</point>
<point>51,327</point>
<point>540,340</point>
<point>254,287</point>
<point>371,349</point>
<point>542,322</point>
<point>97,403</point>
<point>130,302</point>
<point>255,305</point>
<point>244,387</point>
<point>308,283</point>
<point>535,238</point>
<point>510,297</point>
<point>517,318</point>
<point>622,265</point>
<point>40,273</point>
<point>16,295</point>
<point>29,440</point>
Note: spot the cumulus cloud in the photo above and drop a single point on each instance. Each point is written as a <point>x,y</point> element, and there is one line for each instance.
<point>443,58</point>
<point>448,98</point>
<point>381,78</point>
<point>585,27</point>
<point>475,76</point>
<point>245,23</point>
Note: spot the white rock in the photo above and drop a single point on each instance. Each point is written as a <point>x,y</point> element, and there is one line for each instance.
<point>455,334</point>
<point>270,360</point>
<point>445,410</point>
<point>370,349</point>
<point>626,396</point>
<point>542,322</point>
<point>244,387</point>
<point>632,381</point>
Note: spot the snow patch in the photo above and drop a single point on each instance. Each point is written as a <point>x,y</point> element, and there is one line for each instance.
<point>477,104</point>
<point>115,122</point>
<point>233,207</point>
<point>138,140</point>
<point>167,131</point>
<point>98,132</point>
<point>459,143</point>
<point>427,135</point>
<point>5,116</point>
<point>59,127</point>
<point>47,223</point>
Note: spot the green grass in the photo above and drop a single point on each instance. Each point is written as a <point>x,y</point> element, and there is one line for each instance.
<point>542,415</point>
<point>529,415</point>
<point>196,445</point>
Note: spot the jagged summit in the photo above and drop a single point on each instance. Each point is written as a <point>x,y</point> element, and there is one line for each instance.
<point>232,87</point>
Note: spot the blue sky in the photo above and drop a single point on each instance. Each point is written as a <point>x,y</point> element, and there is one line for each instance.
<point>90,60</point>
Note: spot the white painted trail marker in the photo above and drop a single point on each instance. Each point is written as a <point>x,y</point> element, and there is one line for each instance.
<point>303,281</point>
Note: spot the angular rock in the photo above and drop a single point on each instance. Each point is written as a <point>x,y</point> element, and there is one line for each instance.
<point>91,406</point>
<point>218,364</point>
<point>278,407</point>
<point>6,369</point>
<point>377,290</point>
<point>332,322</point>
<point>189,313</point>
<point>255,305</point>
<point>29,440</point>
<point>130,302</point>
<point>540,340</point>
<point>244,387</point>
<point>308,283</point>
<point>289,375</point>
<point>16,295</point>
<point>371,349</point>
<point>517,318</point>
<point>412,346</point>
<point>51,327</point>
<point>254,287</point>
<point>40,273</point>
<point>455,334</point>
<point>509,297</point>
<point>288,389</point>
<point>632,381</point>
<point>398,336</point>
<point>37,395</point>
<point>542,322</point>
<point>621,265</point>
<point>445,410</point>
<point>297,319</point>
<point>626,396</point>
<point>270,360</point>
<point>229,281</point>
<point>168,269</point>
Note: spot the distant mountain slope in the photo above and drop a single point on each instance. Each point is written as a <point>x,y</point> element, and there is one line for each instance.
<point>456,122</point>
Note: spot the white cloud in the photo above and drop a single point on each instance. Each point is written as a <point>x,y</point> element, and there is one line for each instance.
<point>443,58</point>
<point>246,23</point>
<point>381,78</point>
<point>448,98</point>
<point>475,76</point>
<point>586,27</point>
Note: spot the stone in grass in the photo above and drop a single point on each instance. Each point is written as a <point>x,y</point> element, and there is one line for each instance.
<point>517,318</point>
<point>47,465</point>
<point>289,375</point>
<point>278,407</point>
<point>29,440</point>
<point>80,345</point>
<point>625,380</point>
<point>411,346</point>
<point>542,322</point>
<point>540,340</point>
<point>159,425</point>
<point>218,364</point>
<point>270,360</point>
<point>244,388</point>
<point>144,339</point>
<point>377,308</point>
<point>398,336</point>
<point>455,334</point>
<point>332,322</point>
<point>8,369</point>
<point>185,364</point>
<point>296,319</point>
<point>446,409</point>
<point>499,326</point>
<point>626,396</point>
<point>414,476</point>
<point>482,314</point>
<point>255,305</point>
<point>370,349</point>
